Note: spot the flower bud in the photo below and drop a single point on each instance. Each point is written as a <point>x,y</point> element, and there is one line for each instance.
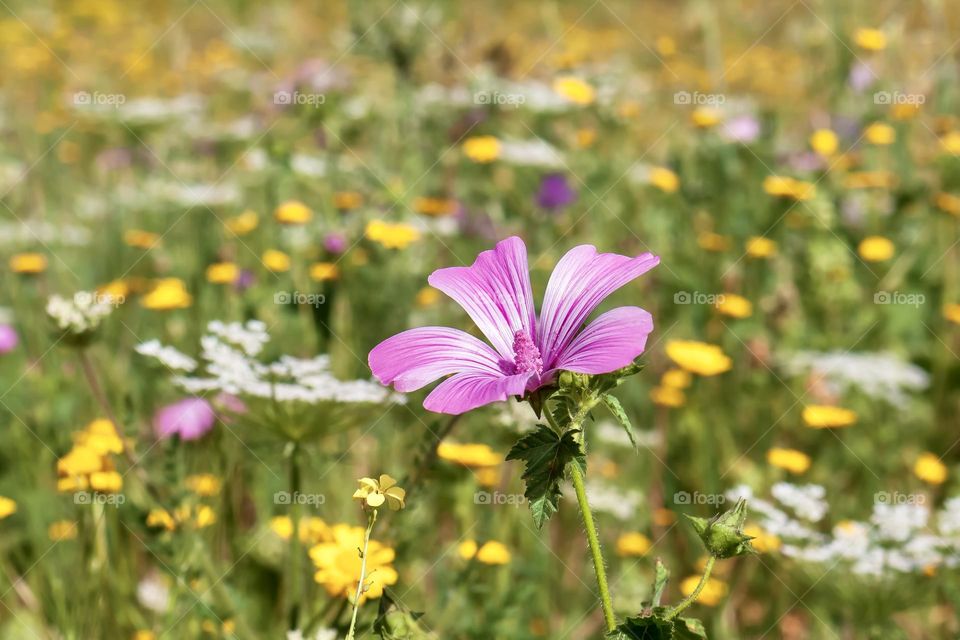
<point>723,534</point>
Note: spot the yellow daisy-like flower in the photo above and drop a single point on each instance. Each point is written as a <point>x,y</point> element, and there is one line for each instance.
<point>826,417</point>
<point>876,249</point>
<point>715,242</point>
<point>482,149</point>
<point>167,294</point>
<point>791,460</point>
<point>223,273</point>
<point>374,493</point>
<point>101,436</point>
<point>713,591</point>
<point>323,271</point>
<point>706,117</point>
<point>870,39</point>
<point>676,379</point>
<point>28,263</point>
<point>762,542</point>
<point>7,507</point>
<point>293,212</point>
<point>880,133</point>
<point>824,142</point>
<point>161,519</point>
<point>243,224</point>
<point>140,239</point>
<point>664,179</point>
<point>276,261</point>
<point>205,485</point>
<point>391,235</point>
<point>952,313</point>
<point>948,202</point>
<point>930,469</point>
<point>668,397</point>
<point>106,481</point>
<point>346,200</point>
<point>491,552</point>
<point>427,296</point>
<point>338,564</point>
<point>951,143</point>
<point>116,291</point>
<point>575,90</point>
<point>204,517</point>
<point>80,461</point>
<point>787,187</point>
<point>469,455</point>
<point>698,357</point>
<point>313,530</point>
<point>759,247</point>
<point>633,544</point>
<point>62,530</point>
<point>730,304</point>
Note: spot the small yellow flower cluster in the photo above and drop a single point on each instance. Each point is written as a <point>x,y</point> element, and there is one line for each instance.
<point>293,212</point>
<point>28,263</point>
<point>167,294</point>
<point>664,179</point>
<point>760,247</point>
<point>436,207</point>
<point>575,90</point>
<point>242,224</point>
<point>930,469</point>
<point>140,239</point>
<point>337,561</point>
<point>198,516</point>
<point>633,544</point>
<point>787,187</point>
<point>713,591</point>
<point>790,460</point>
<point>88,464</point>
<point>876,249</point>
<point>223,273</point>
<point>313,530</point>
<point>730,304</point>
<point>8,507</point>
<point>391,235</point>
<point>827,417</point>
<point>698,357</point>
<point>482,149</point>
<point>480,457</point>
<point>490,552</point>
<point>670,392</point>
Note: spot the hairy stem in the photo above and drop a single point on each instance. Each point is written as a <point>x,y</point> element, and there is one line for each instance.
<point>690,599</point>
<point>594,541</point>
<point>363,572</point>
<point>294,583</point>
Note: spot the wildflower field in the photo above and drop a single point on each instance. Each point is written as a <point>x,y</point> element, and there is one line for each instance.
<point>436,319</point>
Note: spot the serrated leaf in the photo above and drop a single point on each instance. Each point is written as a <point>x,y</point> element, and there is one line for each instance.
<point>546,455</point>
<point>618,412</point>
<point>660,577</point>
<point>689,629</point>
<point>644,628</point>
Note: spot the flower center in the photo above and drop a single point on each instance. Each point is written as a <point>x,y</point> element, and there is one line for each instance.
<point>526,355</point>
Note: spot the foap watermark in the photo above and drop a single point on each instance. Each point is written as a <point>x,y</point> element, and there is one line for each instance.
<point>90,298</point>
<point>285,98</point>
<point>685,497</point>
<point>88,497</point>
<point>498,499</point>
<point>697,297</point>
<point>96,98</point>
<point>311,499</point>
<point>699,99</point>
<point>298,297</point>
<point>896,497</point>
<point>499,98</point>
<point>899,297</point>
<point>899,97</point>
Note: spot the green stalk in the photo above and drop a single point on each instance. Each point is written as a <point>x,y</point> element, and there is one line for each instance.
<point>690,599</point>
<point>363,571</point>
<point>594,542</point>
<point>294,578</point>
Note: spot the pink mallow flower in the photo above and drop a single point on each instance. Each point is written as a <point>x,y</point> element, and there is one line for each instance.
<point>190,419</point>
<point>527,351</point>
<point>8,338</point>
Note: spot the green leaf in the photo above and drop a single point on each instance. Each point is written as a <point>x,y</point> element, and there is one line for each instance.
<point>661,575</point>
<point>653,627</point>
<point>689,629</point>
<point>394,623</point>
<point>546,455</point>
<point>617,410</point>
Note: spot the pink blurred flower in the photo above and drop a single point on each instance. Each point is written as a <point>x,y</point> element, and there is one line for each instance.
<point>8,338</point>
<point>190,419</point>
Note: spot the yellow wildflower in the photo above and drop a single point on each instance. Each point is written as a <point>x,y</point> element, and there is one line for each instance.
<point>62,530</point>
<point>698,357</point>
<point>338,564</point>
<point>140,239</point>
<point>952,313</point>
<point>575,90</point>
<point>676,379</point>
<point>880,133</point>
<point>713,591</point>
<point>492,552</point>
<point>293,212</point>
<point>870,39</point>
<point>706,117</point>
<point>667,397</point>
<point>789,459</point>
<point>469,455</point>
<point>664,179</point>
<point>374,492</point>
<point>760,247</point>
<point>346,200</point>
<point>948,202</point>
<point>223,273</point>
<point>762,542</point>
<point>930,469</point>
<point>391,235</point>
<point>106,481</point>
<point>824,142</point>
<point>7,507</point>
<point>787,187</point>
<point>876,249</point>
<point>427,296</point>
<point>633,544</point>
<point>276,261</point>
<point>204,517</point>
<point>435,206</point>
<point>167,294</point>
<point>323,271</point>
<point>730,304</point>
<point>205,485</point>
<point>482,149</point>
<point>243,224</point>
<point>825,417</point>
<point>710,241</point>
<point>29,263</point>
<point>951,143</point>
<point>161,518</point>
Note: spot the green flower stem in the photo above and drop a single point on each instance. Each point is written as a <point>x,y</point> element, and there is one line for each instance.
<point>294,582</point>
<point>372,518</point>
<point>593,539</point>
<point>673,613</point>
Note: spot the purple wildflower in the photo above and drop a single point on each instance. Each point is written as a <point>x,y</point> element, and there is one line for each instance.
<point>527,351</point>
<point>190,419</point>
<point>335,243</point>
<point>743,129</point>
<point>555,192</point>
<point>8,338</point>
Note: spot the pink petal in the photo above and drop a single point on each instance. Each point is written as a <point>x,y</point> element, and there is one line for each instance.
<point>608,343</point>
<point>580,282</point>
<point>465,391</point>
<point>495,292</point>
<point>417,357</point>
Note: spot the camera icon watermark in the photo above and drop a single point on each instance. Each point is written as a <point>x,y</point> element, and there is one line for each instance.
<point>687,498</point>
<point>897,498</point>
<point>900,298</point>
<point>298,298</point>
<point>696,98</point>
<point>110,499</point>
<point>96,98</point>
<point>309,499</point>
<point>287,98</point>
<point>899,97</point>
<point>499,99</point>
<point>498,499</point>
<point>697,297</point>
